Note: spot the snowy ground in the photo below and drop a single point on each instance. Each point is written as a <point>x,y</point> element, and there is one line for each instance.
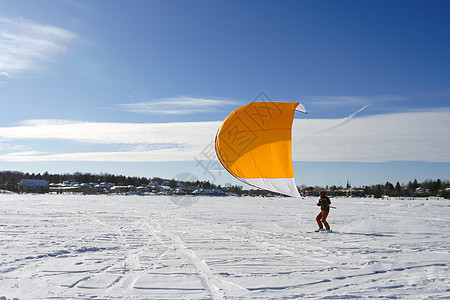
<point>131,247</point>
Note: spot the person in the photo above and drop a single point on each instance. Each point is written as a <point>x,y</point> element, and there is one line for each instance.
<point>324,203</point>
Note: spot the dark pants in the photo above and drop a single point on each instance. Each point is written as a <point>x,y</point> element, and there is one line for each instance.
<point>322,218</point>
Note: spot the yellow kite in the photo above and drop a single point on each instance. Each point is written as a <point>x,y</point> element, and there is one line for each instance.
<point>254,145</point>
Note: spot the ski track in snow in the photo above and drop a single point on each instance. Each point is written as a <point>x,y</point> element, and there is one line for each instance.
<point>131,247</point>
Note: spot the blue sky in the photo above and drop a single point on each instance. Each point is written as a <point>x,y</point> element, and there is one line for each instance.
<point>140,87</point>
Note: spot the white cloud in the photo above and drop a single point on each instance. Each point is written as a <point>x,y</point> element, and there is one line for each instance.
<point>176,106</point>
<point>191,133</point>
<point>414,136</point>
<point>143,156</point>
<point>26,45</point>
<point>25,153</point>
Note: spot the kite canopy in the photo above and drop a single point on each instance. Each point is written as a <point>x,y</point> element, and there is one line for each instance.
<point>254,145</point>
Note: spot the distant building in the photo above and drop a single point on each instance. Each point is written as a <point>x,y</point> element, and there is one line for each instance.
<point>33,186</point>
<point>122,189</point>
<point>163,190</point>
<point>179,192</point>
<point>209,192</point>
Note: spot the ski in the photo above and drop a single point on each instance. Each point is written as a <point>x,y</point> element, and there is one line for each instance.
<point>321,231</point>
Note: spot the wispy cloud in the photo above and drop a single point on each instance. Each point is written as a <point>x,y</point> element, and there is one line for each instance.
<point>177,106</point>
<point>26,45</point>
<point>412,136</point>
<point>350,100</point>
<point>344,120</point>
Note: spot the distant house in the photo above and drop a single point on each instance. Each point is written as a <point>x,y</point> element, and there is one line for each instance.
<point>163,190</point>
<point>179,192</point>
<point>219,193</point>
<point>121,189</point>
<point>209,192</point>
<point>33,186</point>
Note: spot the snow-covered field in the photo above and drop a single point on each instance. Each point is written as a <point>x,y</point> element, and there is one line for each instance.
<point>131,247</point>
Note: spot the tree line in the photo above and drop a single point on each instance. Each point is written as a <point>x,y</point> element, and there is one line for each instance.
<point>437,188</point>
<point>15,177</point>
<point>10,179</point>
<point>413,188</point>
